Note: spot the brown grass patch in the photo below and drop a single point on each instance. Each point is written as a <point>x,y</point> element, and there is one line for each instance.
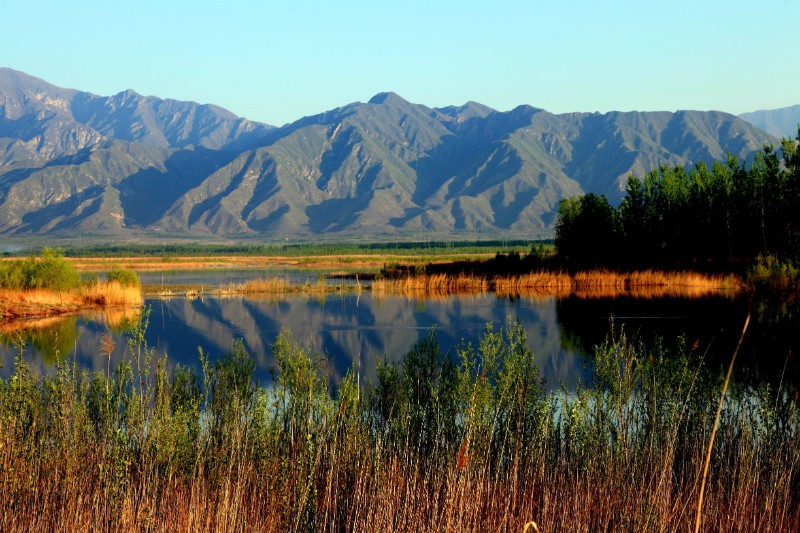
<point>40,303</point>
<point>432,284</point>
<point>112,293</point>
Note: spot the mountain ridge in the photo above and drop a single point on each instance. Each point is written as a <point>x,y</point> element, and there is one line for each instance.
<point>132,165</point>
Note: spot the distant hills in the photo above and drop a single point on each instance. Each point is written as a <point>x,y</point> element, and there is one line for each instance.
<point>128,165</point>
<point>778,122</point>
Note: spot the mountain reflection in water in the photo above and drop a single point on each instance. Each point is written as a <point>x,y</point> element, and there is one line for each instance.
<point>353,329</point>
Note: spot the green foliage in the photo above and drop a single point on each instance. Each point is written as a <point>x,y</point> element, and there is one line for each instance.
<point>731,211</point>
<point>771,273</point>
<point>419,398</point>
<point>587,229</point>
<point>167,252</point>
<point>126,278</point>
<point>49,271</point>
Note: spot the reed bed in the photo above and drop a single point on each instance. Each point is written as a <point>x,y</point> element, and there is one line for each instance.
<point>587,284</point>
<point>432,284</point>
<point>111,293</point>
<point>25,303</point>
<point>275,285</point>
<point>469,442</point>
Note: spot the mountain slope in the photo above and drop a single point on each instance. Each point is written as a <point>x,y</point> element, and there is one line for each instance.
<point>72,162</point>
<point>781,122</point>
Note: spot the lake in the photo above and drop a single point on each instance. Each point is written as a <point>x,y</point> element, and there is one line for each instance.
<point>357,329</point>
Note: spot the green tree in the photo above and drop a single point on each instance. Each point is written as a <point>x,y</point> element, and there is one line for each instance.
<point>587,229</point>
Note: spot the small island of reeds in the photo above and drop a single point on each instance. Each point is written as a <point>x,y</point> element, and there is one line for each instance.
<point>49,285</point>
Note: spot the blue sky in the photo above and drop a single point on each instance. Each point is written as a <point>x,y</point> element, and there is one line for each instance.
<point>279,61</point>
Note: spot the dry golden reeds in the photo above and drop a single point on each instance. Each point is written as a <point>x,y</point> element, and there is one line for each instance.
<point>275,285</point>
<point>261,285</point>
<point>432,284</point>
<point>30,303</point>
<point>586,284</point>
<point>111,293</point>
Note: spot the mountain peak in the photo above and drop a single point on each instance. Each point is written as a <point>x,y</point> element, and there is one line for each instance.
<point>388,98</point>
<point>127,94</point>
<point>463,112</point>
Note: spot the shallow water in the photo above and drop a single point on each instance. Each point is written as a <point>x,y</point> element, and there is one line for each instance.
<point>357,329</point>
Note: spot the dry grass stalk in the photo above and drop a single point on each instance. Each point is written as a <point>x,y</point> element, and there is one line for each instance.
<point>270,285</point>
<point>716,425</point>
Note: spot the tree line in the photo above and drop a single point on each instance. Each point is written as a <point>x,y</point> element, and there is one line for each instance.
<point>732,211</point>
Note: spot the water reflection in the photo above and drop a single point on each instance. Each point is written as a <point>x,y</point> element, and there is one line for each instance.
<point>232,276</point>
<point>357,329</point>
<point>350,329</point>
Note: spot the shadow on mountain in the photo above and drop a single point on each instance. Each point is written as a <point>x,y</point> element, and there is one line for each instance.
<point>507,215</point>
<point>213,201</point>
<point>463,157</point>
<point>149,193</point>
<point>17,175</point>
<point>266,187</point>
<point>337,214</point>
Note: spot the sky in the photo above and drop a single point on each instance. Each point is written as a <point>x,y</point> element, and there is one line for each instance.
<point>277,61</point>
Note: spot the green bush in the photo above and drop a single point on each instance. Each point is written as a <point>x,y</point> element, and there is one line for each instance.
<point>771,273</point>
<point>50,271</point>
<point>126,278</point>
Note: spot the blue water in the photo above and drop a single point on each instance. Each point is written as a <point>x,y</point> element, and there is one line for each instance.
<point>355,330</point>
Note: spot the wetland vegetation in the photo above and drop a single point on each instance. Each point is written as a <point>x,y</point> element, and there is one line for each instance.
<point>469,443</point>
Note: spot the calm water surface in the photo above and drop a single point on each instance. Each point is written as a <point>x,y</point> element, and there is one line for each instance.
<point>356,330</point>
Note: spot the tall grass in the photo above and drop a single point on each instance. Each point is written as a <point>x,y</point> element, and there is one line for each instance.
<point>47,302</point>
<point>467,441</point>
<point>275,285</point>
<point>592,283</point>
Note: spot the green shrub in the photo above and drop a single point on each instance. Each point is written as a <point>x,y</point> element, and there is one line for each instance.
<point>771,273</point>
<point>126,278</point>
<point>50,271</point>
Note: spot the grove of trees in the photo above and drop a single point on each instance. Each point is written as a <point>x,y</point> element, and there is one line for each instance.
<point>731,212</point>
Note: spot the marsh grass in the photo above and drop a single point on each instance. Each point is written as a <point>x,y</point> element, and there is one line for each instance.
<point>468,441</point>
<point>588,284</point>
<point>273,285</point>
<point>17,303</point>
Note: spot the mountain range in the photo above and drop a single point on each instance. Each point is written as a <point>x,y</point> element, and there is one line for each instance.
<point>128,165</point>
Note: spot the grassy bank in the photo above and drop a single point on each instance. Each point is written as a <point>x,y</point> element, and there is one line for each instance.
<point>464,443</point>
<point>330,255</point>
<point>49,285</point>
